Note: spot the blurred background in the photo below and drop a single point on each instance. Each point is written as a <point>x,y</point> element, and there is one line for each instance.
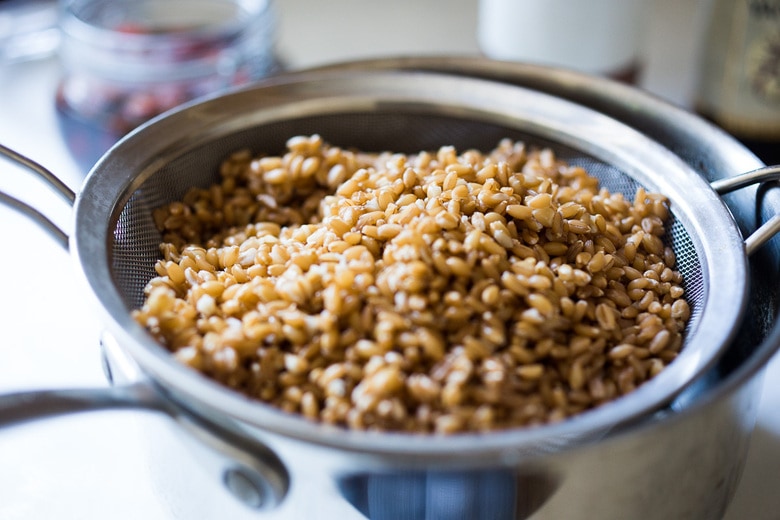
<point>717,57</point>
<point>75,77</point>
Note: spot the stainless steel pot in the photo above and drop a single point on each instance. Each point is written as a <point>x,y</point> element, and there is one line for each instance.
<point>632,453</point>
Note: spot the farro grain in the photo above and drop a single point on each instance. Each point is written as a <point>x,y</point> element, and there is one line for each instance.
<point>436,292</point>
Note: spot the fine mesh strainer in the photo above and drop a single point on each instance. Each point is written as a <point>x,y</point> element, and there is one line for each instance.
<point>115,242</point>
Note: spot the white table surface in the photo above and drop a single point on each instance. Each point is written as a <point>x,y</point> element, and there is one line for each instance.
<point>114,464</point>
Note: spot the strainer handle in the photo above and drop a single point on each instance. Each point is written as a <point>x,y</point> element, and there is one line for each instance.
<point>772,226</point>
<point>52,181</point>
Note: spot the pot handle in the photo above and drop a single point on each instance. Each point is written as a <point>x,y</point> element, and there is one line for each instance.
<point>769,228</point>
<point>248,469</point>
<point>251,472</point>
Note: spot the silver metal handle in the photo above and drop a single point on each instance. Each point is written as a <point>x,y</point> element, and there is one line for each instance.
<point>250,471</point>
<point>52,181</point>
<point>20,407</point>
<point>769,228</point>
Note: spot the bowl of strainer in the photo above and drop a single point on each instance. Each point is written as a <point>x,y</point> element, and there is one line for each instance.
<point>116,246</point>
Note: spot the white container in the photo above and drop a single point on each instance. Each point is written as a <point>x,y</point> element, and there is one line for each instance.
<point>592,36</point>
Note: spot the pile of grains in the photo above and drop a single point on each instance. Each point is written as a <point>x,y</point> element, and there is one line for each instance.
<point>437,292</point>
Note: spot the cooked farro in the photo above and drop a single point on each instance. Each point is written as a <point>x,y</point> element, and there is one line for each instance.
<point>436,292</point>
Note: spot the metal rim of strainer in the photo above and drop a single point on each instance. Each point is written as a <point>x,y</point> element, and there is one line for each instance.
<point>138,156</point>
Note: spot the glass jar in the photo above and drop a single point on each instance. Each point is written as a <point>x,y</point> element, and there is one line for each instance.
<point>125,62</point>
